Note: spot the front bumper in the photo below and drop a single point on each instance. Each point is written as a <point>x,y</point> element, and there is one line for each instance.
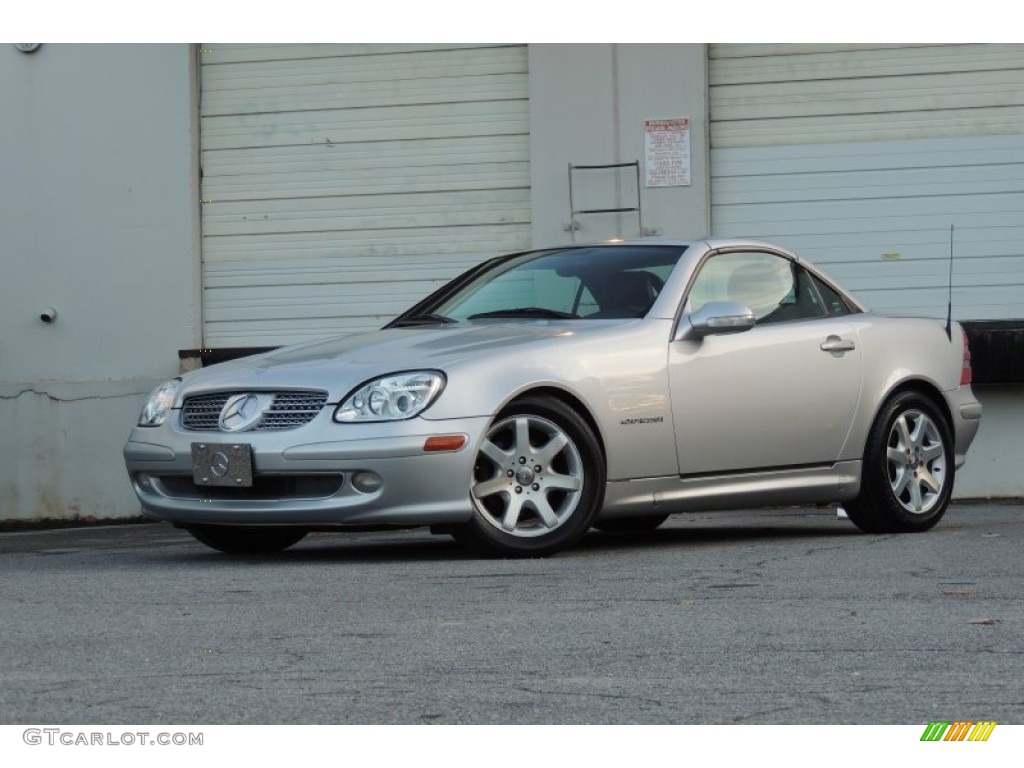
<point>303,476</point>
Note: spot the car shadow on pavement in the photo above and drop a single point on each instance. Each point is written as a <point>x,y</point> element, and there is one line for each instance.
<point>718,534</point>
<point>420,546</point>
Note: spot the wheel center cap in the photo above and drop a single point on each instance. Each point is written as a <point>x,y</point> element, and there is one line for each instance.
<point>524,476</point>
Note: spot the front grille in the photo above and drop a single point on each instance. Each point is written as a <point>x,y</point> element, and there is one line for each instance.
<point>264,488</point>
<point>288,410</point>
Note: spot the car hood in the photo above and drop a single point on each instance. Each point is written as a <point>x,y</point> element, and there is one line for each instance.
<point>339,364</point>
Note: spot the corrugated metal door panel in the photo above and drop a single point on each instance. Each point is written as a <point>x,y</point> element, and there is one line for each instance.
<point>295,276</point>
<point>820,158</point>
<point>906,125</point>
<point>860,158</point>
<point>376,124</point>
<point>408,246</point>
<point>280,183</point>
<point>394,156</point>
<point>233,53</point>
<point>881,183</point>
<point>347,181</point>
<point>430,180</point>
<point>435,77</point>
<point>765,95</point>
<point>360,95</point>
<point>876,216</point>
<point>869,96</point>
<point>229,82</point>
<point>775,64</point>
<point>374,212</point>
<point>719,51</point>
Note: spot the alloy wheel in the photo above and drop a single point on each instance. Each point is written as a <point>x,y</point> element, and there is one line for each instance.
<point>916,459</point>
<point>528,477</point>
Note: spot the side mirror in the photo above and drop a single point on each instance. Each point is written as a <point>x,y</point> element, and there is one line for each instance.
<point>715,319</point>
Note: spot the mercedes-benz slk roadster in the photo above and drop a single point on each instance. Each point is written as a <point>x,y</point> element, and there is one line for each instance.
<point>544,393</point>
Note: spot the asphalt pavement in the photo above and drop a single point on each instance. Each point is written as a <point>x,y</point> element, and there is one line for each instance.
<point>778,616</point>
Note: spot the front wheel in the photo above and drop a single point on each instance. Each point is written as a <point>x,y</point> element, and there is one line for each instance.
<point>908,468</point>
<point>538,481</point>
<point>236,540</point>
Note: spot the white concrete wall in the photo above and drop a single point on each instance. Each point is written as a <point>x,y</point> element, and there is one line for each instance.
<point>588,104</point>
<point>994,462</point>
<point>98,218</point>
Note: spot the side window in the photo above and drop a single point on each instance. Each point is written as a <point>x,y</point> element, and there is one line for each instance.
<point>776,289</point>
<point>835,303</point>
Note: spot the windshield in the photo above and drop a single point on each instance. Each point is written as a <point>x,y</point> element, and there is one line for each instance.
<point>588,283</point>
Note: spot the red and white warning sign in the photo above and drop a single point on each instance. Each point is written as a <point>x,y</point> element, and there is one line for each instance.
<point>667,152</point>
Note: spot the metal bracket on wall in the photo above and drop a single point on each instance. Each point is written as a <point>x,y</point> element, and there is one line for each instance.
<point>574,225</point>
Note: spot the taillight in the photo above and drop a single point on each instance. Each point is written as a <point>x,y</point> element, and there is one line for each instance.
<point>965,371</point>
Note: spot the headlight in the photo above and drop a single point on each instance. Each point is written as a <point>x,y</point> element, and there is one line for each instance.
<point>391,398</point>
<point>159,404</point>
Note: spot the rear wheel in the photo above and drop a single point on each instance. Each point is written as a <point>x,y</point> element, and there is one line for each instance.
<point>908,468</point>
<point>630,524</point>
<point>537,483</point>
<point>236,540</point>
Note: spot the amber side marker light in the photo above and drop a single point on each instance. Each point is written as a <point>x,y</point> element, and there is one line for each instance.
<point>440,443</point>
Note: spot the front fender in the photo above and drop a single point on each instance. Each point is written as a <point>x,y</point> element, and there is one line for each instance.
<point>618,375</point>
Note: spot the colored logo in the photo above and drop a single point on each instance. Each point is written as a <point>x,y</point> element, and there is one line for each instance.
<point>958,730</point>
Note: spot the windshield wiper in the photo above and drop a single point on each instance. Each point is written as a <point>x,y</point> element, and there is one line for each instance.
<point>427,318</point>
<point>527,312</point>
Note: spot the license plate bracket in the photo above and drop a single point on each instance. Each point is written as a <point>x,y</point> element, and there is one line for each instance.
<point>222,464</point>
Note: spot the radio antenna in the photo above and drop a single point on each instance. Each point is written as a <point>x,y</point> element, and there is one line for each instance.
<point>949,305</point>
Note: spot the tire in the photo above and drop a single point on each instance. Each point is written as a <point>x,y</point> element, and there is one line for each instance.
<point>644,524</point>
<point>235,540</point>
<point>538,481</point>
<point>908,471</point>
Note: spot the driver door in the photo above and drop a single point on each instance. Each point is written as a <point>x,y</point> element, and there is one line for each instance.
<point>780,395</point>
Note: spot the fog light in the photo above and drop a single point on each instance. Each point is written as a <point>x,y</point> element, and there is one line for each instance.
<point>366,482</point>
<point>144,482</point>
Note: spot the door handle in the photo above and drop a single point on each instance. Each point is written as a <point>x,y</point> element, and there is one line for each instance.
<point>836,344</point>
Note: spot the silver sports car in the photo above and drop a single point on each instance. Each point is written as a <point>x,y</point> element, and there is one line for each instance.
<point>544,393</point>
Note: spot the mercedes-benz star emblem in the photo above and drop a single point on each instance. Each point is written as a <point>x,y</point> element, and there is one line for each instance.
<point>219,464</point>
<point>243,411</point>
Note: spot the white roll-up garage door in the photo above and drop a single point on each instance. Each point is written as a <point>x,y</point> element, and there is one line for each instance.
<point>341,183</point>
<point>861,157</point>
